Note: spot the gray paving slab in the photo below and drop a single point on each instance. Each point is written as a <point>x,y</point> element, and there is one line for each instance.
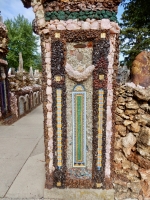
<point>9,169</point>
<point>16,147</point>
<point>17,131</point>
<point>3,128</point>
<point>17,143</point>
<point>31,179</point>
<point>39,148</point>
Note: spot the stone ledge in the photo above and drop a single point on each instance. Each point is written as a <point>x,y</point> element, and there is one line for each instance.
<point>76,194</point>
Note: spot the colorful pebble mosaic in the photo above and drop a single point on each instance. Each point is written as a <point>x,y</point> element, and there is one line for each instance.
<point>59,127</point>
<point>100,128</point>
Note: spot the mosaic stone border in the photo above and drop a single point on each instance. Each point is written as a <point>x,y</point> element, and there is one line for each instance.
<point>58,82</point>
<point>81,15</point>
<point>79,5</point>
<point>101,68</point>
<point>101,50</point>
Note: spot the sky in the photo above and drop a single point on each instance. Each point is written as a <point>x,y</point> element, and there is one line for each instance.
<point>12,8</point>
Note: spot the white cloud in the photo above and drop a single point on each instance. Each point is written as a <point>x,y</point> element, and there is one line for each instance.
<point>12,8</point>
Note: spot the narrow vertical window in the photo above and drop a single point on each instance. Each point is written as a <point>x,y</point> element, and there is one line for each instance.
<point>79,126</point>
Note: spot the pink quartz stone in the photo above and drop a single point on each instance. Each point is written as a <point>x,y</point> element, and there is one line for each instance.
<point>52,27</point>
<point>51,165</point>
<point>109,126</point>
<point>50,132</point>
<point>48,55</point>
<point>50,142</point>
<point>114,28</point>
<point>109,79</point>
<point>35,8</point>
<point>109,100</point>
<point>47,60</point>
<point>49,98</point>
<point>109,111</point>
<point>49,115</point>
<point>48,66</point>
<point>51,155</point>
<point>47,46</point>
<point>88,20</point>
<point>61,27</point>
<point>63,22</point>
<point>69,21</point>
<point>48,90</point>
<point>85,25</point>
<point>105,24</point>
<point>49,82</point>
<point>49,123</point>
<point>110,71</point>
<point>49,107</point>
<point>109,86</point>
<point>72,27</point>
<point>56,21</point>
<point>110,93</point>
<point>41,22</point>
<point>49,75</point>
<point>40,7</point>
<point>79,23</point>
<point>95,25</point>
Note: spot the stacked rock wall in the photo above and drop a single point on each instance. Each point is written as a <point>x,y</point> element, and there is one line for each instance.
<point>132,144</point>
<point>4,86</point>
<point>24,95</point>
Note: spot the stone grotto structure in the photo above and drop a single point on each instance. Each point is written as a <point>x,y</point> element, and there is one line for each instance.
<point>19,92</point>
<point>93,146</point>
<point>4,88</point>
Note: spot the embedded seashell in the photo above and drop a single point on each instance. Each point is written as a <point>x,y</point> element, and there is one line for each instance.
<point>85,25</point>
<point>95,25</point>
<point>72,27</point>
<point>52,27</point>
<point>61,27</point>
<point>105,24</point>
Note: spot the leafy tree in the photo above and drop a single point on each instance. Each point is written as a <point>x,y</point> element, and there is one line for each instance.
<point>22,39</point>
<point>135,34</point>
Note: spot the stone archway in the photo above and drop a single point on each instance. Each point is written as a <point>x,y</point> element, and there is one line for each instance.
<point>21,103</point>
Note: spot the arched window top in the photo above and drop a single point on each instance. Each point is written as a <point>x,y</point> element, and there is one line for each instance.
<point>79,88</point>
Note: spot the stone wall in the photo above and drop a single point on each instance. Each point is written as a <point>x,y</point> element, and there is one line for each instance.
<point>132,143</point>
<point>23,102</point>
<point>25,95</point>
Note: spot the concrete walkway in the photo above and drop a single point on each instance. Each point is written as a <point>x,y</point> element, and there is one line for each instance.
<point>22,173</point>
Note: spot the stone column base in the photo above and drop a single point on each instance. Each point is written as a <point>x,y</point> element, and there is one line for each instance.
<point>78,194</point>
